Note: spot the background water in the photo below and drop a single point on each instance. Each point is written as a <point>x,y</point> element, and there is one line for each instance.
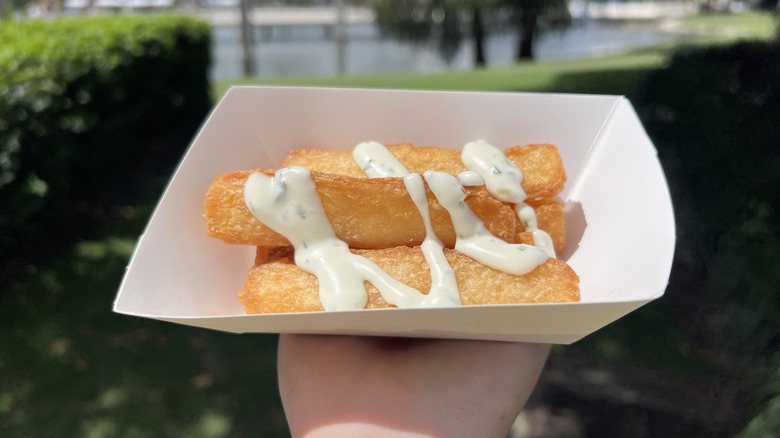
<point>310,50</point>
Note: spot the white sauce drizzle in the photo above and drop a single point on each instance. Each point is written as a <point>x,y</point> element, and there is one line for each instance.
<point>504,181</point>
<point>470,178</point>
<point>288,203</point>
<point>376,161</point>
<point>444,287</point>
<point>473,239</point>
<point>502,178</point>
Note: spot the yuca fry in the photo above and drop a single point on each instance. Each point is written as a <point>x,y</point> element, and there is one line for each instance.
<point>541,165</point>
<point>265,254</point>
<point>365,213</point>
<point>279,286</point>
<point>549,217</point>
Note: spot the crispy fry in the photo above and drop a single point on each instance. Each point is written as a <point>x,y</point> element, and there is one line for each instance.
<point>265,254</point>
<point>378,220</point>
<point>541,165</point>
<point>366,213</point>
<point>549,216</point>
<point>279,286</point>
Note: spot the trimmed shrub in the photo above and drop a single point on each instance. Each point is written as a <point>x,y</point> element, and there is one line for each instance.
<point>94,115</point>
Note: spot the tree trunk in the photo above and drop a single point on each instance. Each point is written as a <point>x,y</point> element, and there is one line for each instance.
<point>527,32</point>
<point>247,40</point>
<point>478,35</point>
<point>341,38</point>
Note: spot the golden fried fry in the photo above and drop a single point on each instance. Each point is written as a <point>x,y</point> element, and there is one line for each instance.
<point>265,254</point>
<point>549,217</point>
<point>279,286</point>
<point>541,165</point>
<point>368,213</point>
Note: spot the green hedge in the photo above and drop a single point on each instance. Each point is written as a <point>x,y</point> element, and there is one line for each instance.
<point>94,114</point>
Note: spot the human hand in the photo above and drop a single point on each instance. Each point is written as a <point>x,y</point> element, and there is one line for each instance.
<point>367,386</point>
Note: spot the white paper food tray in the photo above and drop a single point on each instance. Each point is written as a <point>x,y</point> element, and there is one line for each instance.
<point>620,224</point>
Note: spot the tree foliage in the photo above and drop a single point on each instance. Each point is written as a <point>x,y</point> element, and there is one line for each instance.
<point>448,23</point>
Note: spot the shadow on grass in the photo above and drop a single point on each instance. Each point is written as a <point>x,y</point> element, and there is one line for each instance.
<point>624,81</point>
<point>71,367</point>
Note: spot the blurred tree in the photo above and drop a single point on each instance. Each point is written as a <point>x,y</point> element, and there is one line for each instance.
<point>422,21</point>
<point>714,5</point>
<point>532,17</point>
<point>448,22</point>
<point>768,5</point>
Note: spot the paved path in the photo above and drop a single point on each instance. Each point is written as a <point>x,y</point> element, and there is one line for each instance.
<point>278,16</point>
<point>648,10</point>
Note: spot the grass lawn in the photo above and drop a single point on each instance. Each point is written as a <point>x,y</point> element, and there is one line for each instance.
<point>751,24</point>
<point>529,76</point>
